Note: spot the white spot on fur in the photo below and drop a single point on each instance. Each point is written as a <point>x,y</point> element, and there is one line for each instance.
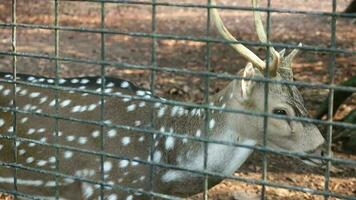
<point>111,84</point>
<point>21,151</point>
<point>112,133</point>
<point>84,81</point>
<point>169,144</point>
<point>142,104</point>
<point>41,130</point>
<point>52,159</point>
<point>35,94</point>
<point>82,140</point>
<point>30,159</point>
<point>126,99</point>
<point>44,139</point>
<point>76,109</point>
<point>157,156</point>
<point>185,140</point>
<point>95,134</point>
<point>30,131</point>
<point>70,138</point>
<point>198,133</point>
<point>107,166</point>
<point>131,107</point>
<point>23,92</point>
<point>123,163</point>
<point>112,197</point>
<point>61,81</point>
<point>174,110</point>
<point>65,103</point>
<point>141,139</point>
<point>23,120</point>
<point>31,144</point>
<point>92,107</point>
<point>87,189</point>
<point>125,140</point>
<point>124,84</point>
<point>52,103</point>
<point>212,123</point>
<point>162,129</point>
<point>135,163</point>
<point>6,92</point>
<point>142,178</point>
<point>41,163</point>
<point>43,99</point>
<point>74,81</point>
<point>10,129</point>
<point>68,154</point>
<point>140,93</point>
<point>161,111</point>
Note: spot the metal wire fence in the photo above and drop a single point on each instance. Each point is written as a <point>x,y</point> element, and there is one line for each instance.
<point>154,68</point>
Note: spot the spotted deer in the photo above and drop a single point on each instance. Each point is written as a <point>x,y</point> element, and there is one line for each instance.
<point>134,169</point>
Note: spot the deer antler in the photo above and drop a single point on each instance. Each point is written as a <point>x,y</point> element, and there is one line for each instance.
<point>263,38</point>
<point>245,52</point>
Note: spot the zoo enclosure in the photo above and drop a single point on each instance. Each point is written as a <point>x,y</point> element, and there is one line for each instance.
<point>154,67</point>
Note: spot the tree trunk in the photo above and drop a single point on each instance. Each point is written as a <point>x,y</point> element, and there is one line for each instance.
<point>351,8</point>
<point>339,98</point>
<point>349,144</point>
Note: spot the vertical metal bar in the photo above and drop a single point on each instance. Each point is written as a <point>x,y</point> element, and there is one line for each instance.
<point>206,100</point>
<point>152,89</point>
<point>57,66</point>
<point>331,69</point>
<point>266,88</point>
<point>102,98</point>
<point>14,69</point>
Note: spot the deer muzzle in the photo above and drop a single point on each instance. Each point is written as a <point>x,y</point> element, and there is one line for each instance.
<point>321,151</point>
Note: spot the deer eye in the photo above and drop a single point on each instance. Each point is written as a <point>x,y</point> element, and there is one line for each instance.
<point>278,111</point>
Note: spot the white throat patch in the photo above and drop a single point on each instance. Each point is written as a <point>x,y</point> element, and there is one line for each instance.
<point>222,159</point>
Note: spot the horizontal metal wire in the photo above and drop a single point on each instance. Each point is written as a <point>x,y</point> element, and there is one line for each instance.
<point>226,7</point>
<point>174,37</point>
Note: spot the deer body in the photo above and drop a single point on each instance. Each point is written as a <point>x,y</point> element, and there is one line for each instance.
<point>135,148</point>
<point>131,144</point>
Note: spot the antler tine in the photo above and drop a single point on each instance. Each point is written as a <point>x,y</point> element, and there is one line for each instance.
<point>263,38</point>
<point>245,52</point>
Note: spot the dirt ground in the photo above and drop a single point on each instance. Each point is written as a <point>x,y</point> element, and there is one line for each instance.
<point>310,66</point>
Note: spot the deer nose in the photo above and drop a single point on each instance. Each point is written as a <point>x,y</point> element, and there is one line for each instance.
<point>321,151</point>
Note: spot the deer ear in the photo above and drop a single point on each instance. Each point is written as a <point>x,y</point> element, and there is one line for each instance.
<point>247,85</point>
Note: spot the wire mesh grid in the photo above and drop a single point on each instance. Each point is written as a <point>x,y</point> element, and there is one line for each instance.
<point>154,68</point>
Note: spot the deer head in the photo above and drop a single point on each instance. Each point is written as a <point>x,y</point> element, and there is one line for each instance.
<point>283,99</point>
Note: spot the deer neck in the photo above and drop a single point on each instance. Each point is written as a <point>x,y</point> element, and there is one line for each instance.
<point>221,158</point>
